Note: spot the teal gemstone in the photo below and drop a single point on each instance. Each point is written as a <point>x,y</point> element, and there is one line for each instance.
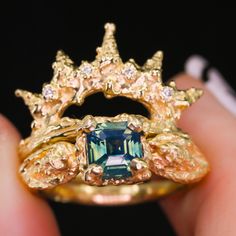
<point>113,145</point>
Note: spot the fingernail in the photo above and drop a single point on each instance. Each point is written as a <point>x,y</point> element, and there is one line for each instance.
<point>195,66</point>
<point>199,68</point>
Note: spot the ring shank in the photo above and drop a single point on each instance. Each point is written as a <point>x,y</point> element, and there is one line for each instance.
<point>112,195</point>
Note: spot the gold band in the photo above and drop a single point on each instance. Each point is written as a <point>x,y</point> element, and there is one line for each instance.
<point>112,195</point>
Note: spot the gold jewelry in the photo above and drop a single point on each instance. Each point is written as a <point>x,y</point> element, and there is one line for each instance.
<point>109,160</point>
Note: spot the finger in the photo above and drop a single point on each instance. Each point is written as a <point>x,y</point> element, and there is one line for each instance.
<point>209,208</point>
<point>21,213</point>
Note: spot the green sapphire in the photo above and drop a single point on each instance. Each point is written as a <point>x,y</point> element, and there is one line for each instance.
<point>113,145</point>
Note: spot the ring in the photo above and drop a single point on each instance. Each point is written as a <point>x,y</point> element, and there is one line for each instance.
<point>124,159</point>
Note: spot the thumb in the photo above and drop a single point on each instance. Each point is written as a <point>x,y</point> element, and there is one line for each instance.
<point>209,208</point>
<point>21,213</point>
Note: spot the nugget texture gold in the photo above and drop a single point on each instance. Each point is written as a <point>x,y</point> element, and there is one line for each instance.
<point>109,160</point>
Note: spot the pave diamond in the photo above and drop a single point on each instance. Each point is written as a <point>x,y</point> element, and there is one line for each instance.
<point>167,93</point>
<point>48,92</point>
<point>129,71</point>
<point>113,145</point>
<point>86,69</point>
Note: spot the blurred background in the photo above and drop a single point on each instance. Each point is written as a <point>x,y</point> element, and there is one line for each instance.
<point>32,32</point>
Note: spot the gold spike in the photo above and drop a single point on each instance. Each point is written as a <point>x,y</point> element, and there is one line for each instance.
<point>155,63</point>
<point>25,95</point>
<point>62,57</point>
<point>193,94</point>
<point>108,50</point>
<point>31,100</point>
<point>62,60</point>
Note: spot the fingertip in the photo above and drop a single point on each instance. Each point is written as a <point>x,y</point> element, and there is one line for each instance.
<point>22,213</point>
<point>8,131</point>
<point>209,124</point>
<point>184,81</point>
<point>207,101</point>
<point>212,128</point>
<point>206,116</point>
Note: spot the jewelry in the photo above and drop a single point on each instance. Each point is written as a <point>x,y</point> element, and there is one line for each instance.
<point>109,160</point>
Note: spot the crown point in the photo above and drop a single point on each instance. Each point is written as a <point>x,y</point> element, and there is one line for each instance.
<point>18,92</point>
<point>108,50</point>
<point>155,63</point>
<point>193,94</point>
<point>62,61</point>
<point>60,55</point>
<point>26,95</point>
<point>110,27</point>
<point>159,53</point>
<point>172,84</point>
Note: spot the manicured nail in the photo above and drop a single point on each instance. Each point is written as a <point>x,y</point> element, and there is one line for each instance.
<point>199,68</point>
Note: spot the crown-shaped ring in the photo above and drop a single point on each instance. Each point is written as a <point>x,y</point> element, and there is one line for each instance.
<point>109,160</point>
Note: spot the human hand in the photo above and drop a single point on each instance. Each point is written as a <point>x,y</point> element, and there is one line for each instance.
<point>21,213</point>
<point>207,209</point>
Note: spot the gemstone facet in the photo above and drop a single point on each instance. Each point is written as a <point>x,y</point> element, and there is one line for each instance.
<point>113,145</point>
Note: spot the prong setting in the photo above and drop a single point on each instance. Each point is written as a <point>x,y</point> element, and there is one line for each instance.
<point>140,170</point>
<point>93,175</point>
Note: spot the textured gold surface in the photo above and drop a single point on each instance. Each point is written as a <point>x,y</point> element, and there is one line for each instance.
<point>54,156</point>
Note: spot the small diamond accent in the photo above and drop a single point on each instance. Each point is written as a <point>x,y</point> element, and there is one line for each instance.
<point>86,69</point>
<point>129,71</point>
<point>167,93</point>
<point>48,92</point>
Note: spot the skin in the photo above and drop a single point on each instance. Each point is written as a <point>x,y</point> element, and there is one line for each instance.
<point>209,208</point>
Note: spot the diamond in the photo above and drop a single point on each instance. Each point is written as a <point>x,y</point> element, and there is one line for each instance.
<point>113,145</point>
<point>86,69</point>
<point>48,92</point>
<point>167,93</point>
<point>129,71</point>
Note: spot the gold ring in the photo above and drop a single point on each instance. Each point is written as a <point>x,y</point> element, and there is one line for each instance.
<point>124,159</point>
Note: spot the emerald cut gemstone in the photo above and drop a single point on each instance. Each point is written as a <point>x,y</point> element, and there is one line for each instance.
<point>113,145</point>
